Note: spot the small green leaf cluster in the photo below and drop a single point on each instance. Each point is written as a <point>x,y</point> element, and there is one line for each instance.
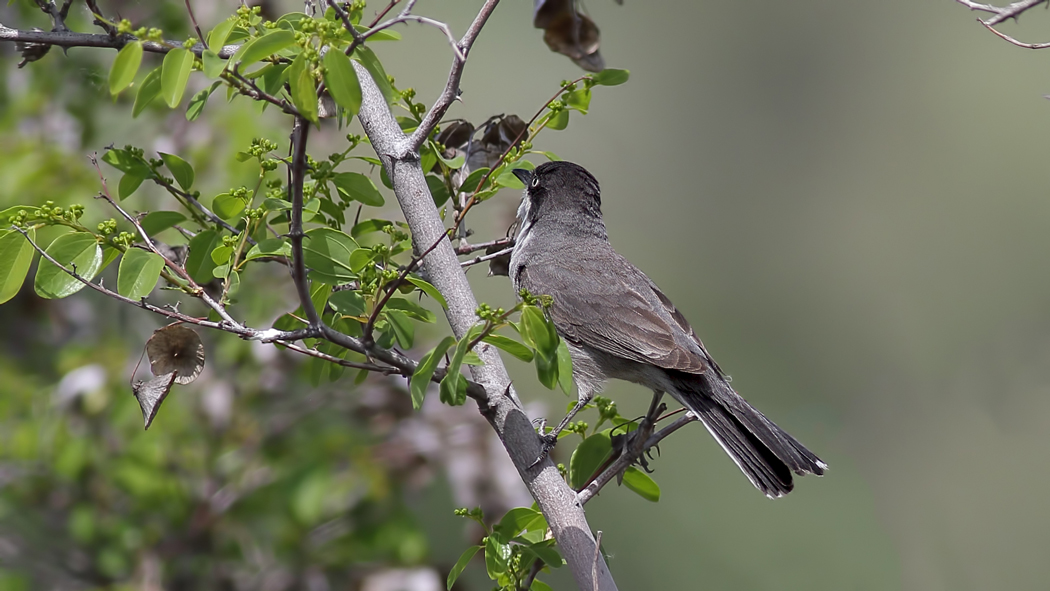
<point>512,548</point>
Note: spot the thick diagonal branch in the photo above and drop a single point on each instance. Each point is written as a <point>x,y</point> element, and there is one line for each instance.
<point>557,501</point>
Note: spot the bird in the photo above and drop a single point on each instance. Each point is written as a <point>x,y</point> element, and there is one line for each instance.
<point>617,324</point>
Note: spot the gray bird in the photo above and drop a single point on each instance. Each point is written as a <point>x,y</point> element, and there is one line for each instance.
<point>618,324</point>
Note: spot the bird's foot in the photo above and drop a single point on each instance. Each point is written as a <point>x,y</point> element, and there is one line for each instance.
<point>547,443</point>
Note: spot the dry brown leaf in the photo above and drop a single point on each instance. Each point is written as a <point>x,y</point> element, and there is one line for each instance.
<point>175,348</point>
<point>151,394</point>
<point>569,32</point>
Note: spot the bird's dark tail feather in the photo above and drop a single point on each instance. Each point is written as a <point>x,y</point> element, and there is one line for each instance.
<point>762,450</point>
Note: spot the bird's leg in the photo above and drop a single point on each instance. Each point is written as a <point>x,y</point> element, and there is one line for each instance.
<point>549,440</point>
<point>636,440</point>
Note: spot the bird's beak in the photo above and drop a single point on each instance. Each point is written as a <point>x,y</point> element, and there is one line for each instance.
<point>524,175</point>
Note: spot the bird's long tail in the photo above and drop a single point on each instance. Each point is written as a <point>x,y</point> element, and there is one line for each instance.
<point>762,450</point>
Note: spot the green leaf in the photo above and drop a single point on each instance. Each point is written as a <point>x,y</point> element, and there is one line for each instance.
<point>358,187</point>
<point>510,346</point>
<point>546,552</point>
<point>517,520</point>
<point>538,585</point>
<point>138,273</point>
<point>109,254</point>
<point>129,183</point>
<point>341,80</point>
<point>470,184</point>
<point>368,59</point>
<point>547,370</point>
<point>454,163</point>
<point>327,253</point>
<point>461,564</point>
<point>319,294</point>
<point>438,190</point>
<point>148,90</point>
<point>269,247</point>
<point>611,77</point>
<point>454,385</point>
<point>539,331</point>
<point>177,66</point>
<point>497,553</point>
<point>265,46</point>
<point>199,264</point>
<point>199,101</point>
<point>292,21</point>
<point>304,87</point>
<point>564,368</point>
<point>272,204</point>
<point>16,255</point>
<point>348,302</point>
<point>125,66</point>
<point>428,289</point>
<point>220,255</point>
<point>361,258</point>
<point>273,77</point>
<point>641,483</point>
<point>158,221</point>
<point>78,252</point>
<point>10,212</point>
<point>579,99</point>
<point>211,64</point>
<point>404,330</point>
<point>412,309</point>
<point>228,206</point>
<point>425,370</point>
<point>180,169</point>
<point>369,226</point>
<point>559,120</point>
<point>217,36</point>
<point>125,162</point>
<point>588,457</point>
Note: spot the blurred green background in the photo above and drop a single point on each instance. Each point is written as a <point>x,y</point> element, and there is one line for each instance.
<point>849,200</point>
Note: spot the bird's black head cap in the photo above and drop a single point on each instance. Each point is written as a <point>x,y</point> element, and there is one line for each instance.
<point>562,193</point>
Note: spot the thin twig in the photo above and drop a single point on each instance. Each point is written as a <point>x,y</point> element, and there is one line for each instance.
<point>534,570</point>
<point>349,26</point>
<point>193,19</point>
<point>391,288</point>
<point>250,89</point>
<point>297,176</point>
<point>57,14</point>
<point>1001,13</point>
<point>626,459</point>
<point>179,194</point>
<point>487,257</point>
<point>451,91</point>
<point>1012,40</point>
<point>198,291</point>
<point>383,12</point>
<point>385,370</point>
<point>469,248</point>
<point>114,41</point>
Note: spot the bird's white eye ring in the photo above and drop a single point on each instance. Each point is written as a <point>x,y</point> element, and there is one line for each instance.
<point>535,181</point>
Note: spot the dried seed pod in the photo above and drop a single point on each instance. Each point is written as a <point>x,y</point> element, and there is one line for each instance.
<point>175,348</point>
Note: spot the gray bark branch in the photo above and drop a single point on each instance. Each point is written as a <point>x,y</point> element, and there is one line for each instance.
<point>503,411</point>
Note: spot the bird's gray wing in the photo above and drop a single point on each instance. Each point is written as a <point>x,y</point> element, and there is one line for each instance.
<point>612,306</point>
